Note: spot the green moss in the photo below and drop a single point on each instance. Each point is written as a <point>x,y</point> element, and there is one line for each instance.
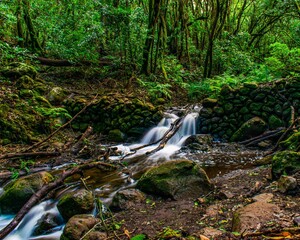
<point>18,192</point>
<point>275,122</point>
<point>249,129</point>
<point>292,143</point>
<point>286,162</point>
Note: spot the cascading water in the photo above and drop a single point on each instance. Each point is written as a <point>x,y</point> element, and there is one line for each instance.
<point>188,127</point>
<point>28,224</point>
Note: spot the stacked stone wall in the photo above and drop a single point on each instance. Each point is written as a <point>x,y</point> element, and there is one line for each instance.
<point>272,102</point>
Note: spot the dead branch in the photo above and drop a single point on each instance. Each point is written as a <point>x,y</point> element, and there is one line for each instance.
<point>284,135</point>
<point>29,154</point>
<point>262,137</point>
<point>4,175</point>
<point>40,194</point>
<point>67,63</point>
<point>80,143</point>
<point>63,126</point>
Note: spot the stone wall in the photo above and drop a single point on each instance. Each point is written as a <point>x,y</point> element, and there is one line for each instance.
<point>129,114</point>
<point>271,102</point>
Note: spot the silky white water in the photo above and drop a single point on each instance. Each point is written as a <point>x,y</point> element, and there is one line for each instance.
<point>187,129</point>
<point>28,224</point>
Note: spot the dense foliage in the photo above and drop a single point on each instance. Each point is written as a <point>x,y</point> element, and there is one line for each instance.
<point>162,43</point>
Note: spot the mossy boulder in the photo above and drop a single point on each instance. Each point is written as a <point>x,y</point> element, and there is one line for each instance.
<point>18,192</point>
<point>176,180</point>
<point>209,102</point>
<point>25,82</point>
<point>79,225</point>
<point>116,135</point>
<point>275,122</point>
<point>252,128</point>
<point>73,203</point>
<point>56,96</point>
<point>16,70</point>
<point>285,163</point>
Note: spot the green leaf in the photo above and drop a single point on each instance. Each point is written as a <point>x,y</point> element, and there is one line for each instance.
<point>138,237</point>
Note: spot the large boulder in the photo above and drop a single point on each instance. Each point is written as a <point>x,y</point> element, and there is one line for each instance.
<point>252,128</point>
<point>249,218</point>
<point>201,142</point>
<point>175,179</point>
<point>285,162</point>
<point>77,202</point>
<point>18,192</point>
<point>79,225</point>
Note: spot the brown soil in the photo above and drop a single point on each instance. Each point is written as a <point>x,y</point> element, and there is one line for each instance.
<point>191,217</point>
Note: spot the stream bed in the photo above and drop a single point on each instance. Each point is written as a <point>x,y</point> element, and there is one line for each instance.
<point>219,158</point>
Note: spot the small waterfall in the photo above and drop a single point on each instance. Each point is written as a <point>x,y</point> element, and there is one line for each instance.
<point>187,129</point>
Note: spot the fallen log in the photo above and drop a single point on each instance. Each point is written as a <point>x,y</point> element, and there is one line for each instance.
<point>29,154</point>
<point>40,194</point>
<point>67,63</point>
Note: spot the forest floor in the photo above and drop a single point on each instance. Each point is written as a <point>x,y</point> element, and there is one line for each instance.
<point>211,215</point>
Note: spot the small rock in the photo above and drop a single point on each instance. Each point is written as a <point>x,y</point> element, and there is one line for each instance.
<point>127,198</point>
<point>211,233</point>
<point>225,195</point>
<point>296,221</point>
<point>264,197</point>
<point>286,183</point>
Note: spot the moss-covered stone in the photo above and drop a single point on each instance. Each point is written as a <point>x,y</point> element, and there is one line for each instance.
<point>285,163</point>
<point>226,90</point>
<point>18,192</point>
<point>116,135</point>
<point>56,96</point>
<point>25,82</point>
<point>175,179</point>
<point>16,70</point>
<point>292,143</point>
<point>275,122</point>
<point>73,203</point>
<point>249,129</point>
<point>209,102</point>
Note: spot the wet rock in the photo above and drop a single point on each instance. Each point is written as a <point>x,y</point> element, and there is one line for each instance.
<point>79,225</point>
<point>176,179</point>
<point>251,217</point>
<point>286,183</point>
<point>116,135</point>
<point>126,199</point>
<point>16,70</point>
<point>56,96</point>
<point>285,162</point>
<point>73,203</point>
<point>18,192</point>
<point>47,223</point>
<point>202,139</point>
<point>252,128</point>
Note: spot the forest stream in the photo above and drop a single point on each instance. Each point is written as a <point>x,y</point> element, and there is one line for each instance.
<point>218,159</point>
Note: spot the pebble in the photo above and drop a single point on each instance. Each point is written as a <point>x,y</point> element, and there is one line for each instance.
<point>297,221</point>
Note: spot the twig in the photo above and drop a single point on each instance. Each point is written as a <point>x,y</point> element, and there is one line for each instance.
<point>63,126</point>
